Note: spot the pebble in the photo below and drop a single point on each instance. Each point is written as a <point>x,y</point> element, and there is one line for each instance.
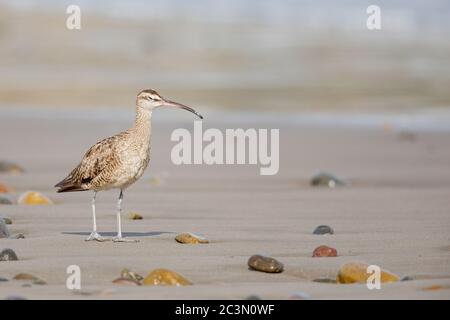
<point>325,179</point>
<point>125,281</point>
<point>265,264</point>
<point>323,229</point>
<point>325,280</point>
<point>29,277</point>
<point>3,280</point>
<point>407,278</point>
<point>436,287</point>
<point>7,220</point>
<point>324,251</point>
<point>8,255</point>
<point>134,216</point>
<point>190,238</point>
<point>4,200</point>
<point>9,167</point>
<point>155,180</point>
<point>17,236</point>
<point>253,297</point>
<point>15,298</point>
<point>4,232</point>
<point>25,276</point>
<point>130,275</point>
<point>356,272</point>
<point>4,189</point>
<point>34,198</point>
<point>166,278</point>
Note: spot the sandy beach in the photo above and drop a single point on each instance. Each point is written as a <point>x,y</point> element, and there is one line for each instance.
<point>394,212</point>
<point>370,106</point>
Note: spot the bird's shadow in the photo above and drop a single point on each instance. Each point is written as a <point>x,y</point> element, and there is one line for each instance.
<point>125,234</point>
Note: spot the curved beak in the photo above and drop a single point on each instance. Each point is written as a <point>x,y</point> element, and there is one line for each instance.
<point>169,103</point>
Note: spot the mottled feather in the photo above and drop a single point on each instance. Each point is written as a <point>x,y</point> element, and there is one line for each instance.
<point>115,162</point>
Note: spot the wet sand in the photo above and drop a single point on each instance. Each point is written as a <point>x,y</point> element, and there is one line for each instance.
<point>394,213</point>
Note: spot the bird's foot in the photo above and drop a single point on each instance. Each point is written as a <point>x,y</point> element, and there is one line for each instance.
<point>122,239</point>
<point>94,236</point>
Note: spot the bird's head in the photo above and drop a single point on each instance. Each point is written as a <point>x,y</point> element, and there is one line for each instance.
<point>150,99</point>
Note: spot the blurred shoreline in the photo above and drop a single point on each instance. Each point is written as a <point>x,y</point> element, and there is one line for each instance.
<point>436,120</point>
<point>306,65</point>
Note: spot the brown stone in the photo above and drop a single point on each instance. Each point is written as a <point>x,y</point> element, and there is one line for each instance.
<point>29,277</point>
<point>324,251</point>
<point>190,238</point>
<point>436,287</point>
<point>34,198</point>
<point>134,216</point>
<point>165,277</point>
<point>356,272</point>
<point>4,189</point>
<point>265,264</point>
<point>25,276</point>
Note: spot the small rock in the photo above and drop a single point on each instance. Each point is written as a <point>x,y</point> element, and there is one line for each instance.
<point>3,280</point>
<point>8,255</point>
<point>4,232</point>
<point>17,236</point>
<point>155,180</point>
<point>29,277</point>
<point>130,275</point>
<point>166,278</point>
<point>325,179</point>
<point>15,298</point>
<point>8,167</point>
<point>407,278</point>
<point>356,272</point>
<point>253,297</point>
<point>25,276</point>
<point>436,287</point>
<point>134,216</point>
<point>4,200</point>
<point>39,282</point>
<point>265,264</point>
<point>324,251</point>
<point>128,282</point>
<point>323,229</point>
<point>190,238</point>
<point>4,189</point>
<point>34,198</point>
<point>299,296</point>
<point>7,220</point>
<point>325,280</point>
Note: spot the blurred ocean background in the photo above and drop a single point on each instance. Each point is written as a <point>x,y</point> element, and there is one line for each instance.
<point>316,59</point>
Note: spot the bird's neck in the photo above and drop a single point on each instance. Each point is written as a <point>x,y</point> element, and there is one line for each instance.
<point>142,125</point>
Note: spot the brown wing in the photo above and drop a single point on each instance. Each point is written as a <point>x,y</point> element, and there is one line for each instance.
<point>101,158</point>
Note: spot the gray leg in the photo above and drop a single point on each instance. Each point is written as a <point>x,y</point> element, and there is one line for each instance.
<point>94,235</point>
<point>119,237</point>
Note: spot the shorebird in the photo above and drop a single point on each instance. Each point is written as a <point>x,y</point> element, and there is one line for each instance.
<point>118,161</point>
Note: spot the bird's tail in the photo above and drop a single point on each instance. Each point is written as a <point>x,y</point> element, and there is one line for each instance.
<point>67,185</point>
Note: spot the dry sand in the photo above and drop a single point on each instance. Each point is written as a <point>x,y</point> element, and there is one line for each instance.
<point>395,213</point>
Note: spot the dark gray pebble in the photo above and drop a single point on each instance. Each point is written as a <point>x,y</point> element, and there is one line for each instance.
<point>323,229</point>
<point>8,255</point>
